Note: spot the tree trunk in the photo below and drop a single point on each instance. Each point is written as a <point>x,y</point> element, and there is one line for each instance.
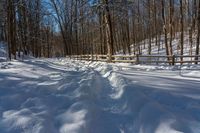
<point>182,31</point>
<point>198,34</point>
<point>171,10</point>
<point>11,25</point>
<point>164,27</point>
<point>109,34</point>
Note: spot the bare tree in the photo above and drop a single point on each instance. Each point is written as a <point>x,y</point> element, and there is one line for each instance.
<point>109,34</point>
<point>164,26</point>
<point>182,30</point>
<point>198,33</point>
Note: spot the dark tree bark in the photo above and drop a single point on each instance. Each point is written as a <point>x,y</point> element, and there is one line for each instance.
<point>171,14</point>
<point>109,31</point>
<point>164,26</point>
<point>198,34</point>
<point>182,30</point>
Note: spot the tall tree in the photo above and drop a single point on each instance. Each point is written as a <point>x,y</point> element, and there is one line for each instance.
<point>109,31</point>
<point>198,34</point>
<point>171,14</point>
<point>149,26</point>
<point>182,29</point>
<point>164,26</point>
<point>11,28</point>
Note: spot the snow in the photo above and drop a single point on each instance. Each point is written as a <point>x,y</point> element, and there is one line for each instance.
<point>159,50</point>
<point>68,96</point>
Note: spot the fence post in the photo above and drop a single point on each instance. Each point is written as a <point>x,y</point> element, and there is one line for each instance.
<point>92,57</point>
<point>109,58</point>
<point>137,59</point>
<point>173,60</point>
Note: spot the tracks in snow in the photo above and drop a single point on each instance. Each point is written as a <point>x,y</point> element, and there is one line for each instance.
<point>58,96</point>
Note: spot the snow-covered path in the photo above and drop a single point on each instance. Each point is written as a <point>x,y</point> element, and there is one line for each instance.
<point>65,96</point>
<point>40,96</point>
<point>163,101</point>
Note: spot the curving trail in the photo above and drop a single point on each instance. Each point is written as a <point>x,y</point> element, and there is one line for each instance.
<point>65,96</point>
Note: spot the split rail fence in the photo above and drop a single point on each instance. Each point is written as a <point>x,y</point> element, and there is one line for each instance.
<point>142,59</point>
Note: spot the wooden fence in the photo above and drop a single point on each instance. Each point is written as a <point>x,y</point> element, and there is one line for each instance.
<point>142,59</point>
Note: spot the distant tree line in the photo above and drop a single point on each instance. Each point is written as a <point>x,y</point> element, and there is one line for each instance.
<point>73,27</point>
<point>27,28</point>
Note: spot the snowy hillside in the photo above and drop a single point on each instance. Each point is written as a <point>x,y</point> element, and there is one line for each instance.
<point>160,50</point>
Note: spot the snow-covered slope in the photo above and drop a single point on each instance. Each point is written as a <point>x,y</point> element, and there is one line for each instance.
<point>160,49</point>
<point>66,96</point>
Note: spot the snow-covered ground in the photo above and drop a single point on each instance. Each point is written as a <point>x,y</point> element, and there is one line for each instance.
<point>68,96</point>
<point>159,50</point>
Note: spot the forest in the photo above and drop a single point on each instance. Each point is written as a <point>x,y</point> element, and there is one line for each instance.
<point>99,66</point>
<point>57,28</point>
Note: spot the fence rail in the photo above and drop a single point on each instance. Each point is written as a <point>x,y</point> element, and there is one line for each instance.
<point>142,59</point>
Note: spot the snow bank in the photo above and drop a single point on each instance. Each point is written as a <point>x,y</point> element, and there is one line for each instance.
<point>152,110</point>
